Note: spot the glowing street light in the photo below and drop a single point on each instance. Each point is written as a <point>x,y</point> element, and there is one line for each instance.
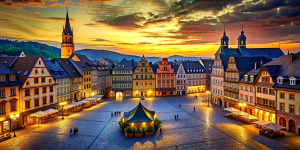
<point>62,108</point>
<point>14,117</point>
<point>207,92</point>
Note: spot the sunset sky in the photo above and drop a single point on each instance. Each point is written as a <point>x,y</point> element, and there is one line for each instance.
<point>155,27</point>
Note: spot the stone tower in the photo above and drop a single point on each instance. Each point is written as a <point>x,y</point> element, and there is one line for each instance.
<point>67,45</point>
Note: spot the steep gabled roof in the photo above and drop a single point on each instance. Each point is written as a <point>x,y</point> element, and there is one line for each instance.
<point>285,69</point>
<point>8,60</point>
<point>248,63</point>
<point>123,65</point>
<point>23,64</point>
<point>139,114</point>
<point>207,63</point>
<point>271,53</point>
<point>68,66</point>
<point>55,69</point>
<point>194,66</point>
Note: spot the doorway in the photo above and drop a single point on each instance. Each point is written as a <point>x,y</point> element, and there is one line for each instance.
<point>292,125</point>
<point>220,102</point>
<point>119,95</point>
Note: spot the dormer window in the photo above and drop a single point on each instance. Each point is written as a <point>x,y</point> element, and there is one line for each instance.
<point>12,77</point>
<point>2,78</point>
<point>123,66</point>
<point>251,78</point>
<point>292,81</point>
<point>280,80</point>
<point>246,77</point>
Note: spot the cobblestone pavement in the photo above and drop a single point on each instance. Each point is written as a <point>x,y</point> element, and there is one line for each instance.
<point>206,128</point>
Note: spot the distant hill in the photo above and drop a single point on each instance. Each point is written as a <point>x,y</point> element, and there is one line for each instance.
<point>46,51</point>
<point>96,54</point>
<point>30,48</point>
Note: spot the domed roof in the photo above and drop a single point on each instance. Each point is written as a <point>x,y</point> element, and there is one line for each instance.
<point>224,37</point>
<point>242,36</point>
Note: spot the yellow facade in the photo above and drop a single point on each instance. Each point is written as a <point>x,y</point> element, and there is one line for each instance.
<point>87,84</point>
<point>143,80</point>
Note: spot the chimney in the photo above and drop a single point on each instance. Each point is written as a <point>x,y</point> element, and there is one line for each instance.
<point>255,66</point>
<point>150,63</point>
<point>292,57</point>
<point>261,62</point>
<point>132,62</point>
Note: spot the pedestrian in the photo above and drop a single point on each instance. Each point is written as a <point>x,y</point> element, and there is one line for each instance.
<point>115,113</point>
<point>194,109</point>
<point>71,131</point>
<point>74,131</point>
<point>159,130</point>
<point>177,116</point>
<point>179,105</point>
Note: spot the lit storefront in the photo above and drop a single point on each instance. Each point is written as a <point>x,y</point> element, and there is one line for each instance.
<point>196,89</point>
<point>266,115</point>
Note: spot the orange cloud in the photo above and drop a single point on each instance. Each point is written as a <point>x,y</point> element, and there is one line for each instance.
<point>5,20</point>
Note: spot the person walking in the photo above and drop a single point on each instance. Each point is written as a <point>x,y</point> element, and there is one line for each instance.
<point>112,114</point>
<point>194,109</point>
<point>71,132</point>
<point>159,130</point>
<point>177,116</point>
<point>74,131</point>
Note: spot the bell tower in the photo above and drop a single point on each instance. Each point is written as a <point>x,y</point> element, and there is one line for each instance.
<point>242,39</point>
<point>224,40</point>
<point>67,45</point>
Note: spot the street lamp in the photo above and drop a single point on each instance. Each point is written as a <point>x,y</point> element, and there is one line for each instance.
<point>62,108</point>
<point>207,92</point>
<point>14,117</point>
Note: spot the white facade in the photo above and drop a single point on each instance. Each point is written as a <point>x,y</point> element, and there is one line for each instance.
<point>181,81</point>
<point>217,79</point>
<point>63,87</point>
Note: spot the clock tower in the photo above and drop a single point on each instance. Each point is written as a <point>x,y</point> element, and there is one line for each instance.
<point>67,45</point>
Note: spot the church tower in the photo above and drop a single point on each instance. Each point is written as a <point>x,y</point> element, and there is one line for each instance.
<point>67,45</point>
<point>242,40</point>
<point>224,40</point>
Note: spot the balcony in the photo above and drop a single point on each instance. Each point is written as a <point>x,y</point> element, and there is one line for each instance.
<point>120,89</point>
<point>231,89</point>
<point>265,105</point>
<point>231,80</point>
<point>121,81</point>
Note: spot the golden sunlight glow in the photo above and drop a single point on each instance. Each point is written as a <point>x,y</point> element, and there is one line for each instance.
<point>144,123</point>
<point>154,116</point>
<point>240,104</point>
<point>62,103</point>
<point>244,104</point>
<point>207,92</point>
<point>123,119</point>
<point>132,124</point>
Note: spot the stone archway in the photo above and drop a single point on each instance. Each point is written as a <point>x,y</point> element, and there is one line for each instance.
<point>282,121</point>
<point>292,126</point>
